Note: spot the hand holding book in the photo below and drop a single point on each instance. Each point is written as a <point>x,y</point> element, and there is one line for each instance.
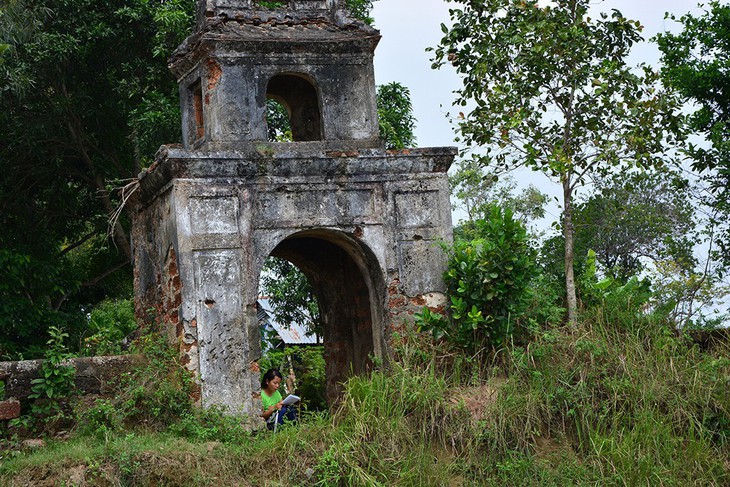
<point>290,399</point>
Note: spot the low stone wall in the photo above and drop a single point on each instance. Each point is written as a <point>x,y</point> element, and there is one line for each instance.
<point>94,375</point>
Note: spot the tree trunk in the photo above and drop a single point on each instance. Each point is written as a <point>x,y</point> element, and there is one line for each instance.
<point>568,233</point>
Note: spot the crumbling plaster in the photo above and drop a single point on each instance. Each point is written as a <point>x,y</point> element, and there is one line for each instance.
<point>363,223</point>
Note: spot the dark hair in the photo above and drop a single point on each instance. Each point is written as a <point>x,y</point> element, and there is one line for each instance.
<point>269,376</point>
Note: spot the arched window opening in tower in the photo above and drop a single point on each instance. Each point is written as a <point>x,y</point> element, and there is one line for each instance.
<point>297,94</point>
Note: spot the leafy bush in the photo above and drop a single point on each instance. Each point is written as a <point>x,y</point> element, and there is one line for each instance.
<point>210,424</point>
<point>157,393</point>
<point>616,303</point>
<point>488,280</point>
<point>56,380</point>
<point>109,322</point>
<point>103,418</point>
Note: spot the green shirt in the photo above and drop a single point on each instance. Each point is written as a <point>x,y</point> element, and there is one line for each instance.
<point>271,400</point>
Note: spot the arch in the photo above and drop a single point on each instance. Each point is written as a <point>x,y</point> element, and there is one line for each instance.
<point>300,96</point>
<point>350,296</point>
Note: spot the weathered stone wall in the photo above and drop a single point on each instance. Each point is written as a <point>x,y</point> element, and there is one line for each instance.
<point>238,58</point>
<point>363,225</point>
<point>94,375</point>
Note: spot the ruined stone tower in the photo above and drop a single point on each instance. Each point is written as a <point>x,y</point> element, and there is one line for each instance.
<point>361,222</point>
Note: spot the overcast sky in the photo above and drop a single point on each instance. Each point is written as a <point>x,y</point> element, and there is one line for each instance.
<point>408,27</point>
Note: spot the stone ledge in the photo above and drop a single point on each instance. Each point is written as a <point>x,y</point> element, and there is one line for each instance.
<point>309,162</point>
<point>93,374</point>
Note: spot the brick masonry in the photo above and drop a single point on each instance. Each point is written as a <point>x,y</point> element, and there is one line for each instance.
<point>9,409</point>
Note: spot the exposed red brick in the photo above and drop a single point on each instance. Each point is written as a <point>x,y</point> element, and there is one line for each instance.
<point>196,394</point>
<point>9,409</point>
<point>397,302</point>
<point>337,153</point>
<point>214,75</point>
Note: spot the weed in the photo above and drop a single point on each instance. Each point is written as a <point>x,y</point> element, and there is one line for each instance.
<point>155,394</point>
<point>210,425</point>
<point>55,384</point>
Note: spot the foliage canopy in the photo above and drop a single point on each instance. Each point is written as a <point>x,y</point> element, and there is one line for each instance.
<point>548,87</point>
<point>86,101</point>
<point>696,62</point>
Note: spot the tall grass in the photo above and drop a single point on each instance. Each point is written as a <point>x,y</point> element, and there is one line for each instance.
<point>618,400</point>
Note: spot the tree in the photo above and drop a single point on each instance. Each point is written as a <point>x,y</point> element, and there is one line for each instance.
<point>550,89</point>
<point>395,115</point>
<point>86,101</point>
<point>290,294</point>
<point>637,219</point>
<point>642,228</point>
<point>476,191</point>
<point>360,9</point>
<point>696,62</point>
<point>631,223</point>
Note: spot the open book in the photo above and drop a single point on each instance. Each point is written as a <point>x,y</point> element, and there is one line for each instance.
<point>290,399</point>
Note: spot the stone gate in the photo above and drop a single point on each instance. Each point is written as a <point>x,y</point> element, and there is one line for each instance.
<point>361,222</point>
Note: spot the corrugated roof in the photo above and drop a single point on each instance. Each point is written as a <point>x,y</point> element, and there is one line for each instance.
<point>291,334</point>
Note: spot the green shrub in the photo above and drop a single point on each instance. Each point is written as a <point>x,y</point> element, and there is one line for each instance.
<point>156,394</point>
<point>159,392</point>
<point>109,323</point>
<point>488,280</point>
<point>101,419</point>
<point>57,380</point>
<point>210,424</point>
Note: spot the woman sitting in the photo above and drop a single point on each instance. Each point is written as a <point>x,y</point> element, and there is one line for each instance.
<point>274,412</point>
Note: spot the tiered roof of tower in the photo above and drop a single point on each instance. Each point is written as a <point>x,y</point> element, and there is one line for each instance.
<point>272,29</point>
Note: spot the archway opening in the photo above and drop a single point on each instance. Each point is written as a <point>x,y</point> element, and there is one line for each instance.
<point>291,331</point>
<point>299,98</point>
<point>345,293</point>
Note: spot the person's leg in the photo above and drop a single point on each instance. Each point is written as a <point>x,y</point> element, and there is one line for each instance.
<point>287,413</point>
